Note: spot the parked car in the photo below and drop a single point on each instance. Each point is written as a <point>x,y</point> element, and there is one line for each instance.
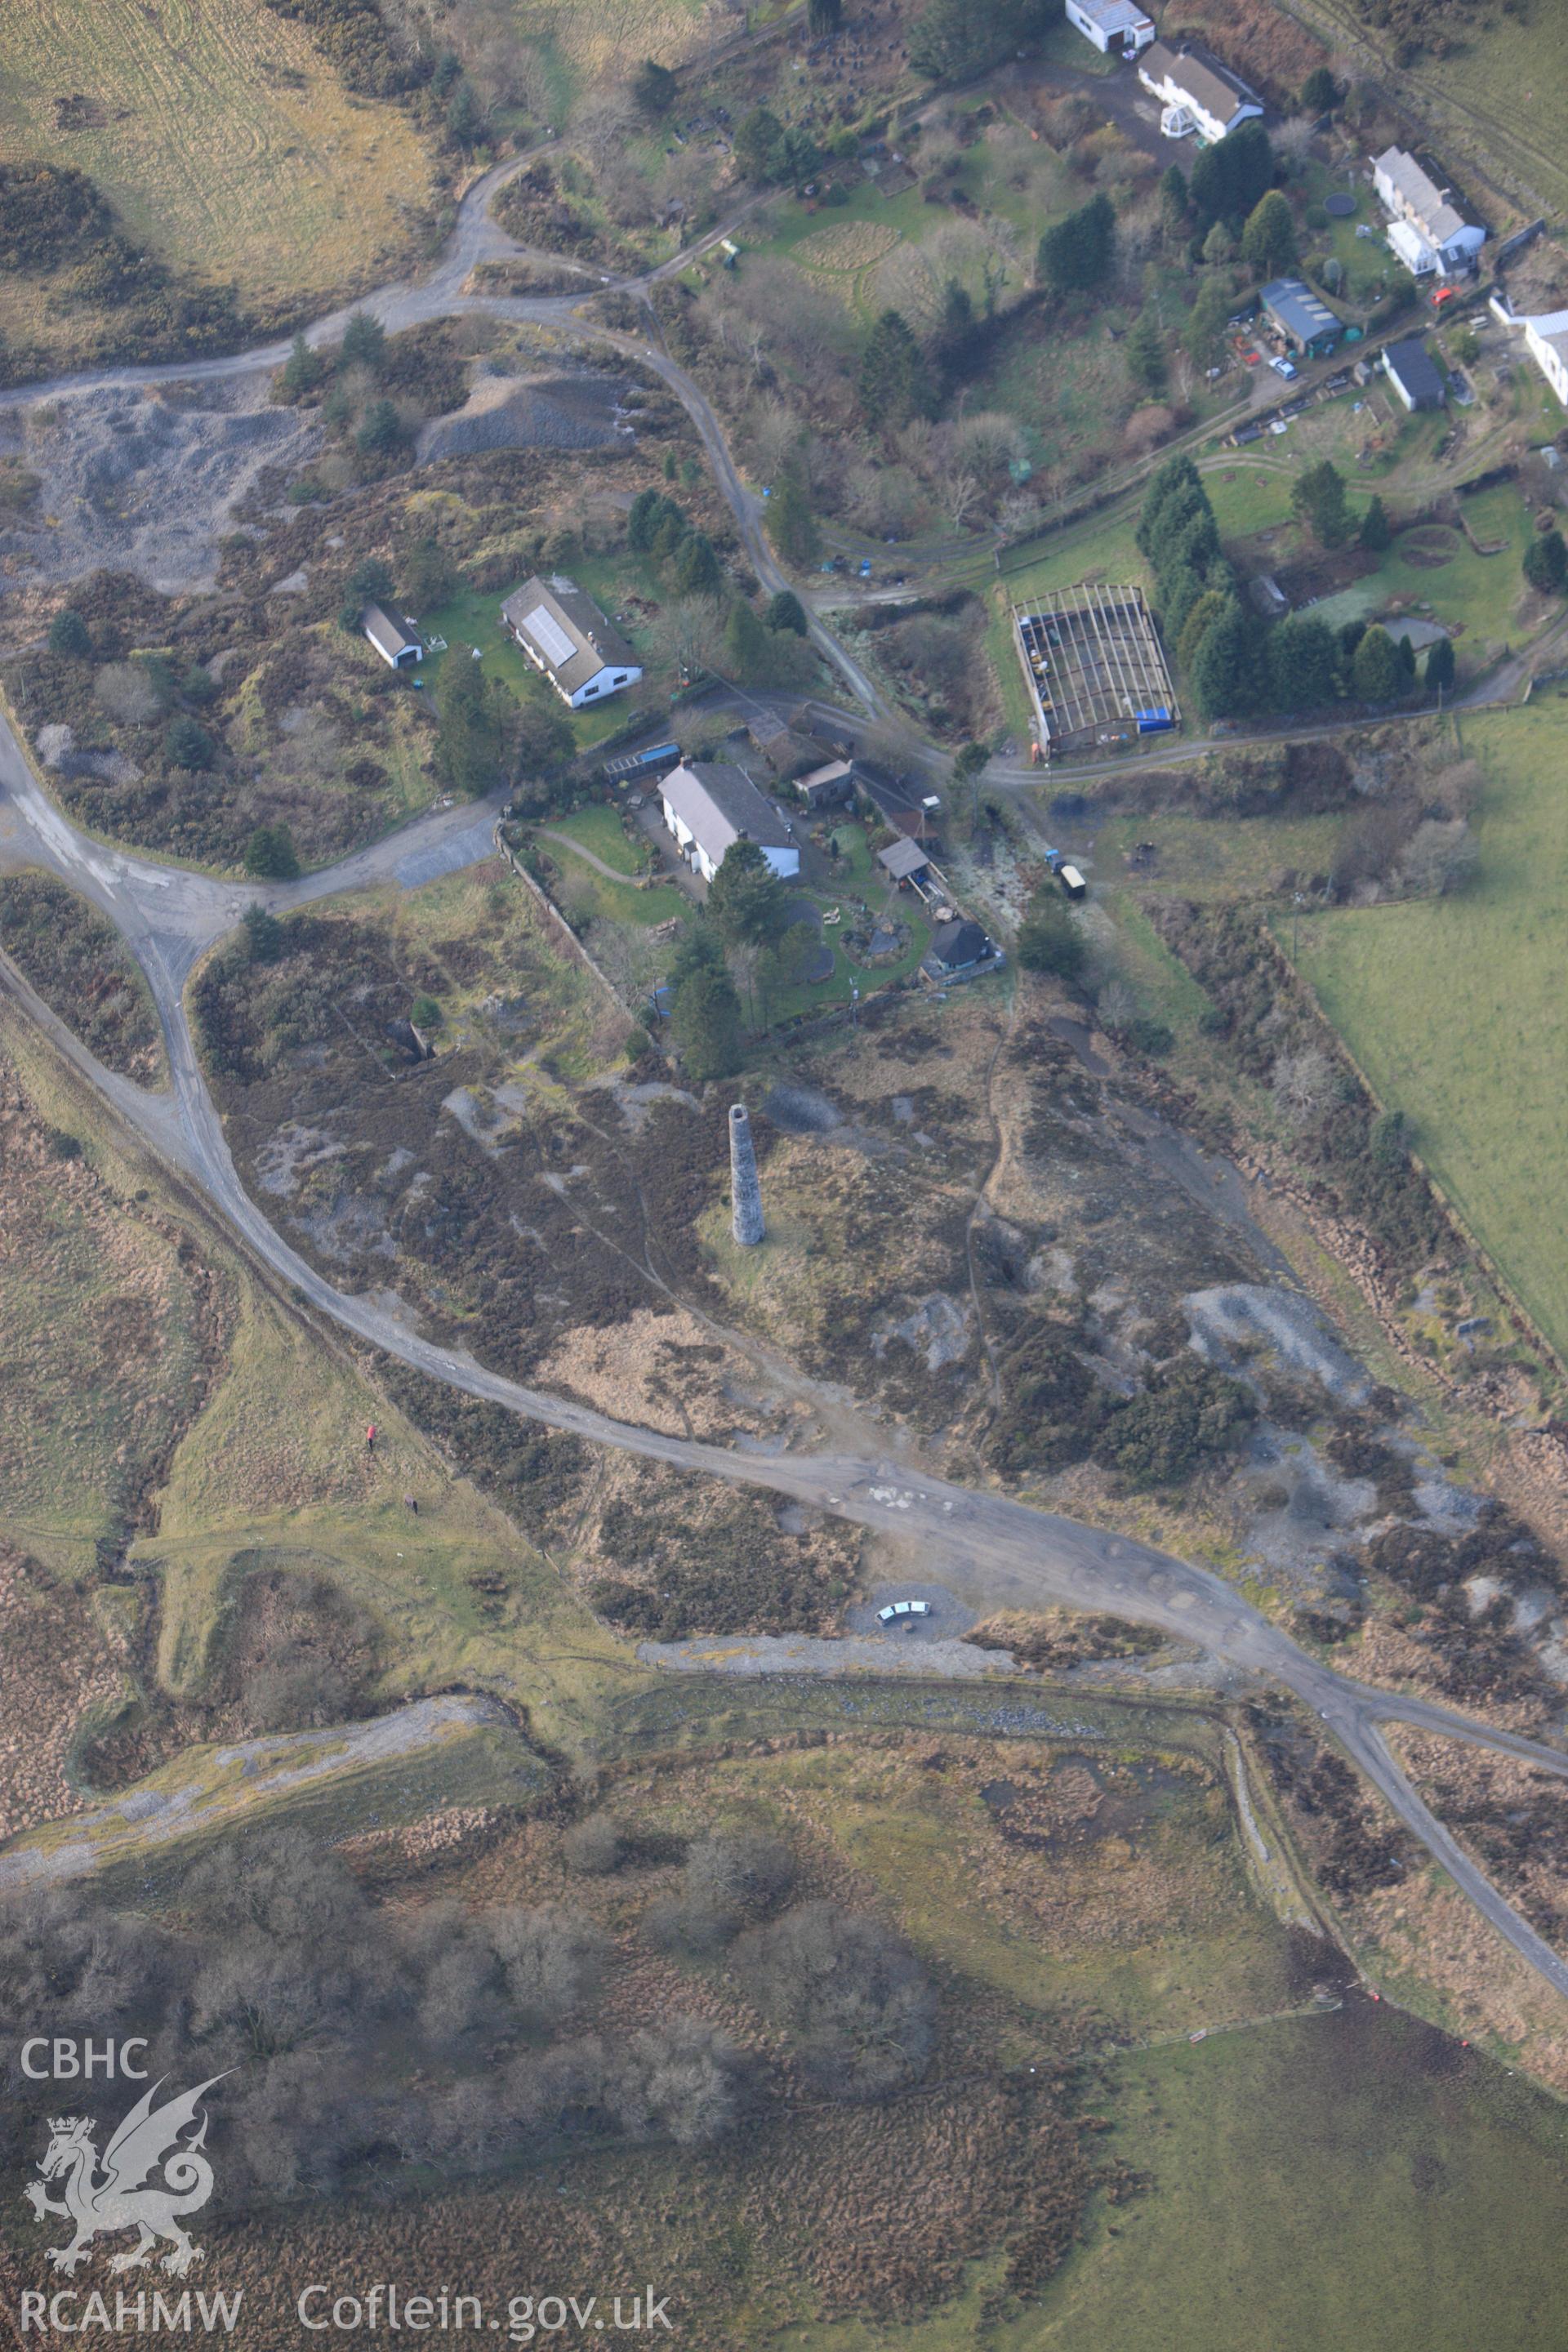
<point>1445,294</point>
<point>1286,368</point>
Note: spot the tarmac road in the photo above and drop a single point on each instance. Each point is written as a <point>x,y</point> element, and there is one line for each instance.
<point>1017,1556</point>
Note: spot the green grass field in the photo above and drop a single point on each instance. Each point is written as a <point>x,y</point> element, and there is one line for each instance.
<point>1456,1009</point>
<point>1333,2182</point>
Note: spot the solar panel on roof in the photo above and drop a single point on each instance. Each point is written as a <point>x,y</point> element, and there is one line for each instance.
<point>549,636</point>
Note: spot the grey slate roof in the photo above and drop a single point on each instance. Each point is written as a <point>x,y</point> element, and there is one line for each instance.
<point>593,644</point>
<point>1299,311</point>
<point>956,945</point>
<point>1426,199</point>
<point>387,634</point>
<point>903,858</point>
<point>1218,91</point>
<point>720,805</point>
<point>1412,365</point>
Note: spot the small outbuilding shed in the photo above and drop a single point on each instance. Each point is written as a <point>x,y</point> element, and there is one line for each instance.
<point>904,860</point>
<point>1412,370</point>
<point>398,647</point>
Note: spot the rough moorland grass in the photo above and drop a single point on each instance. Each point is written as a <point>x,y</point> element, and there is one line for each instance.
<point>1217,1954</point>
<point>83,970</point>
<point>1454,1009</point>
<point>101,1341</point>
<point>221,137</point>
<point>579,48</point>
<point>254,1487</point>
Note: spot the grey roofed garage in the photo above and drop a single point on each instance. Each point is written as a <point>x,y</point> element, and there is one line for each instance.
<point>389,637</point>
<point>566,631</point>
<point>1412,365</point>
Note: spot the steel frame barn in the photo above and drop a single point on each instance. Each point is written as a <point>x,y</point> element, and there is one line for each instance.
<point>1095,671</point>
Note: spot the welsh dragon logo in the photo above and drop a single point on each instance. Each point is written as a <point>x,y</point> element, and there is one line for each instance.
<point>125,2198</point>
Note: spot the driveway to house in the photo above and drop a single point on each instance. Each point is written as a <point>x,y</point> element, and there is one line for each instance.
<point>1120,96</point>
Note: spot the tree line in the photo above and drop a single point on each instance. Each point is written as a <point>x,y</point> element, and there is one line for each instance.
<point>361,2037</point>
<point>751,650</point>
<point>1235,663</point>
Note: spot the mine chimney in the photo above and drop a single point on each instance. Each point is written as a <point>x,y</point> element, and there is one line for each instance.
<point>745,1194</point>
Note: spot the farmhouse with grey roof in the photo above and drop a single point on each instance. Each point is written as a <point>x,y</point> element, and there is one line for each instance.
<point>1196,91</point>
<point>710,805</point>
<point>566,637</point>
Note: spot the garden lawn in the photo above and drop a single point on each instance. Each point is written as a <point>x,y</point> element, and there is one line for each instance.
<point>1456,1009</point>
<point>1369,266</point>
<point>600,829</point>
<point>583,890</point>
<point>1476,596</point>
<point>473,619</point>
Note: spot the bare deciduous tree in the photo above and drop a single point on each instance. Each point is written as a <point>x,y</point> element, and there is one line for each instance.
<point>594,1846</point>
<point>551,1961</point>
<point>1117,1007</point>
<point>1439,858</point>
<point>853,1997</point>
<point>1293,141</point>
<point>685,634</point>
<point>683,2081</point>
<point>1304,1084</point>
<point>126,692</point>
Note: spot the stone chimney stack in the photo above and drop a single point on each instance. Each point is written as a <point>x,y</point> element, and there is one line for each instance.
<point>745,1194</point>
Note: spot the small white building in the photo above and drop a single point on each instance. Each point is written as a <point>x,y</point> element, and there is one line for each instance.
<point>1117,27</point>
<point>1546,340</point>
<point>1197,92</point>
<point>397,644</point>
<point>1429,234</point>
<point>566,637</point>
<point>709,805</point>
